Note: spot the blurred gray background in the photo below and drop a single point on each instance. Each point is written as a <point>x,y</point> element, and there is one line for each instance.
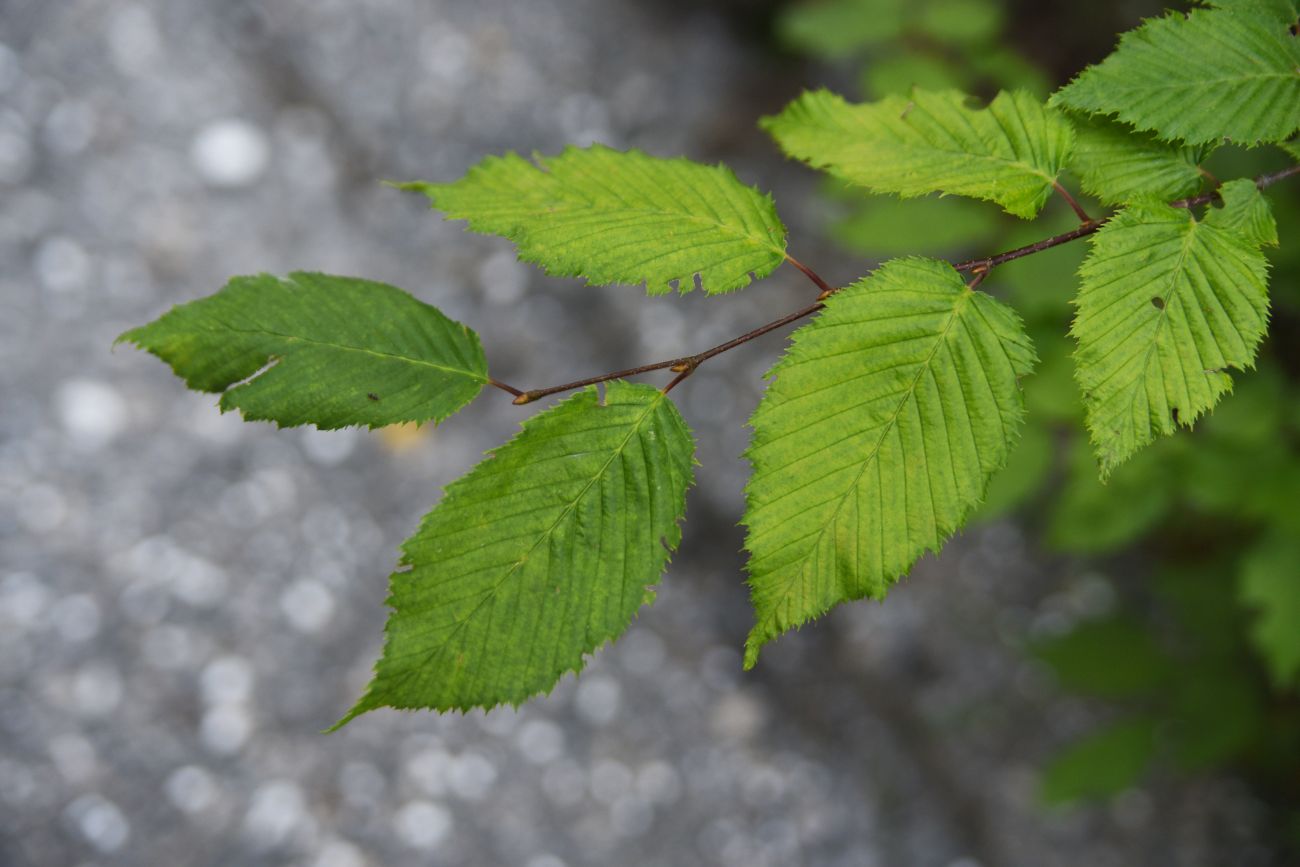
<point>186,600</point>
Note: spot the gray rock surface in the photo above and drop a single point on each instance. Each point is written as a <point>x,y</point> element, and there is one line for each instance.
<point>186,600</point>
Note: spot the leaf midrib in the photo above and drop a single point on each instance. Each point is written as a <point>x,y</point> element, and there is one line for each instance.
<point>295,338</point>
<point>798,575</point>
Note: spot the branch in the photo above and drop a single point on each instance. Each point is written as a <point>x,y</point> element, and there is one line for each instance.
<point>979,268</point>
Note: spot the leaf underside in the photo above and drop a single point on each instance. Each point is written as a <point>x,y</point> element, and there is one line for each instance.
<point>1200,76</point>
<point>341,351</point>
<point>1167,304</point>
<point>1009,153</point>
<point>621,217</point>
<point>538,556</point>
<point>876,438</point>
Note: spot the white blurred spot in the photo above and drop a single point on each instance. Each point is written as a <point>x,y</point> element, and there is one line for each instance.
<point>630,816</point>
<point>609,779</point>
<point>737,716</point>
<point>133,39</point>
<point>502,278</point>
<point>227,680</point>
<point>544,861</point>
<point>70,127</point>
<point>100,821</point>
<point>230,153</point>
<point>74,757</point>
<point>92,413</point>
<point>76,617</point>
<point>597,699</point>
<point>361,783</point>
<point>190,789</point>
<point>422,824</point>
<point>659,782</point>
<point>276,811</point>
<point>96,689</point>
<point>328,447</point>
<point>62,265</point>
<point>308,605</point>
<point>428,769</point>
<point>168,648</point>
<point>471,776</point>
<point>339,853</point>
<point>23,600</point>
<point>641,651</point>
<point>564,783</point>
<point>15,149</point>
<point>541,741</point>
<point>225,728</point>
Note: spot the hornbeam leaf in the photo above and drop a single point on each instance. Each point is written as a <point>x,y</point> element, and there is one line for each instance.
<point>1166,306</point>
<point>1200,77</point>
<point>322,350</point>
<point>1270,586</point>
<point>931,141</point>
<point>621,217</point>
<point>1117,164</point>
<point>876,438</point>
<point>538,556</point>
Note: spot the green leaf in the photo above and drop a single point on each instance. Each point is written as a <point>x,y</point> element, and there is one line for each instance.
<point>1027,469</point>
<point>929,226</point>
<point>1112,658</point>
<point>1270,586</point>
<point>1199,76</point>
<point>1246,211</point>
<point>1167,305</point>
<point>538,556</point>
<point>834,29</point>
<point>621,217</point>
<point>902,72</point>
<point>1091,517</point>
<point>1117,164</point>
<point>322,350</point>
<point>1009,152</point>
<point>876,438</point>
<point>961,22</point>
<point>1104,763</point>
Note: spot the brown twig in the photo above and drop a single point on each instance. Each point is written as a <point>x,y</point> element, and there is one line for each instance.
<point>978,268</point>
<point>1073,203</point>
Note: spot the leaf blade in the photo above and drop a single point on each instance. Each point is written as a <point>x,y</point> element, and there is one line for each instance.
<point>1198,293</point>
<point>620,217</point>
<point>1009,153</point>
<point>527,535</point>
<point>1199,77</point>
<point>1118,165</point>
<point>912,379</point>
<point>341,351</point>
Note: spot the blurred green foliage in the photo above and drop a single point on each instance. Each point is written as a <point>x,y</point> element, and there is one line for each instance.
<point>1198,665</point>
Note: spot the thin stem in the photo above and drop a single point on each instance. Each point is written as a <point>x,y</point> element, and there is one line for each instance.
<point>810,274</point>
<point>496,383</point>
<point>1073,202</point>
<point>978,268</point>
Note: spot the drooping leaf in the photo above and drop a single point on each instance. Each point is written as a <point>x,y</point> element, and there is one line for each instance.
<point>1104,763</point>
<point>538,556</point>
<point>1270,586</point>
<point>876,438</point>
<point>1199,77</point>
<point>838,28</point>
<point>621,217</point>
<point>1089,516</point>
<point>1009,152</point>
<point>1117,164</point>
<point>322,350</point>
<point>1167,305</point>
<point>1109,658</point>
